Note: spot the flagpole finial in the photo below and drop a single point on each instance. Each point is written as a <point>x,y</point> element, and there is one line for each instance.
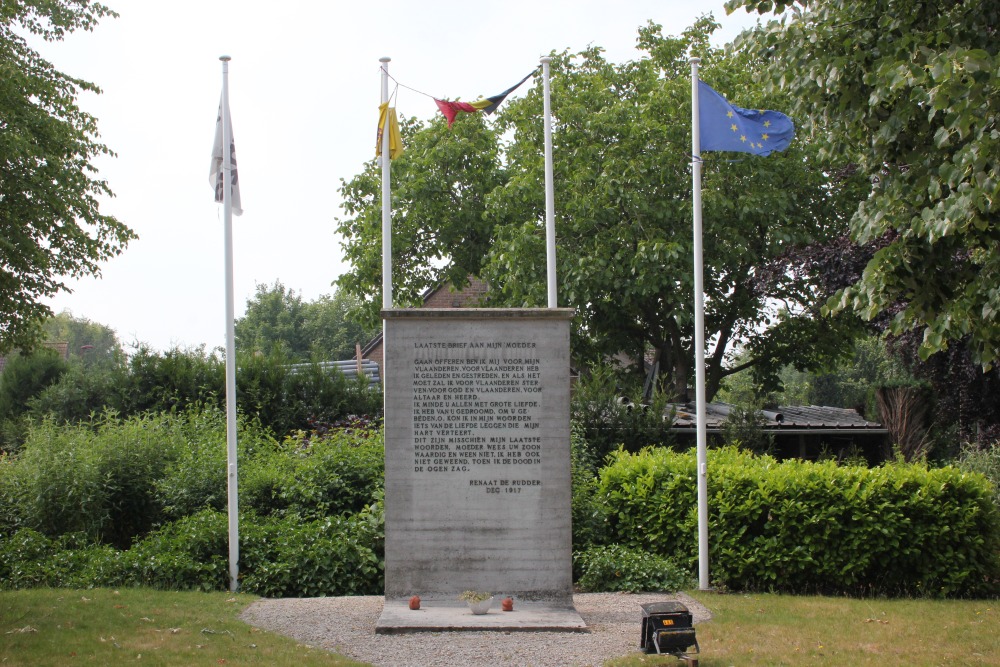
<point>225,59</point>
<point>694,60</point>
<point>545,60</point>
<point>384,59</point>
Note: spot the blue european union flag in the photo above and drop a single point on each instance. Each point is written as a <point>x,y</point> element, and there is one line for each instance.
<point>725,127</point>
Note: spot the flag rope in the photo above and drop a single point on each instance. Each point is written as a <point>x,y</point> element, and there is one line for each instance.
<point>420,92</point>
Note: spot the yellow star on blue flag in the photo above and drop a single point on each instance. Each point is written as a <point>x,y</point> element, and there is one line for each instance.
<point>727,127</point>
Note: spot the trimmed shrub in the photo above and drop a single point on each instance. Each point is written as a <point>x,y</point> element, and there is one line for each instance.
<point>805,527</point>
<point>616,568</point>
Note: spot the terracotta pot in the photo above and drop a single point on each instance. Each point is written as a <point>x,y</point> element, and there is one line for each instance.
<point>415,602</point>
<point>507,604</point>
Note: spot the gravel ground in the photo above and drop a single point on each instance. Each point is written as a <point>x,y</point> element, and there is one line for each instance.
<point>347,625</point>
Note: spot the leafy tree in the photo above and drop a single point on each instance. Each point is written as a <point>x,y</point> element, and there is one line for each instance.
<point>25,376</point>
<point>622,145</point>
<point>334,328</point>
<point>50,222</point>
<point>88,341</point>
<point>907,91</point>
<point>274,319</point>
<point>278,320</point>
<point>441,230</point>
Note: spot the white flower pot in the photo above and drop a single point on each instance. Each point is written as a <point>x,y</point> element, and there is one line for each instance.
<point>480,608</point>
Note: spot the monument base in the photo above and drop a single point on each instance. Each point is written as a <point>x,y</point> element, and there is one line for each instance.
<point>455,616</point>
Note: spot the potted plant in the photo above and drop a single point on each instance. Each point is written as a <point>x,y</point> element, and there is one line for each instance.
<point>478,601</point>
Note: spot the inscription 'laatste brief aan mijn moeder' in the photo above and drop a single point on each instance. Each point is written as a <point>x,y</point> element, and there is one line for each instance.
<point>466,415</point>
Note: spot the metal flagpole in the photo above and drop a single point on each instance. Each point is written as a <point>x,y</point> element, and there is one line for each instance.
<point>386,200</point>
<point>227,208</point>
<point>550,206</point>
<point>699,333</point>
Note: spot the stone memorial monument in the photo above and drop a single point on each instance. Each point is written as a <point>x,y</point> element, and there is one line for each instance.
<point>477,466</point>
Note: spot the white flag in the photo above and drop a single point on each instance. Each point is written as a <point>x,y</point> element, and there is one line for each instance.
<point>215,177</point>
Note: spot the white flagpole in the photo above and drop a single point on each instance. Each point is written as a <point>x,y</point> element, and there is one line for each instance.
<point>386,198</point>
<point>227,208</point>
<point>699,334</point>
<point>550,198</point>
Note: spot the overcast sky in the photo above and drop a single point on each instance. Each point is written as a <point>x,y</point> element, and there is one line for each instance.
<point>304,91</point>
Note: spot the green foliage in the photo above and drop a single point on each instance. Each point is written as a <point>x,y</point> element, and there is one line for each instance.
<point>907,92</point>
<point>607,418</point>
<point>89,342</point>
<point>195,477</point>
<point>50,221</point>
<point>79,394</point>
<point>848,382</point>
<point>25,376</point>
<point>278,320</point>
<point>334,328</point>
<point>442,230</point>
<point>267,389</point>
<point>316,475</point>
<point>287,399</point>
<point>590,521</point>
<point>97,479</point>
<point>100,484</point>
<point>30,559</point>
<point>171,380</point>
<point>984,461</point>
<point>625,258</point>
<point>800,527</point>
<point>621,569</point>
<point>274,322</point>
<point>191,553</point>
<point>292,557</point>
<point>744,428</point>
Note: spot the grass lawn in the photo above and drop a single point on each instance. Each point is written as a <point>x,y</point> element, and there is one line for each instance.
<point>139,626</point>
<point>143,627</point>
<point>807,630</point>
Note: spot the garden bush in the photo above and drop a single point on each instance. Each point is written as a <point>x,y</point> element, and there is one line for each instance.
<point>617,568</point>
<point>337,474</point>
<point>797,526</point>
<point>289,557</point>
<point>195,477</point>
<point>610,421</point>
<point>590,520</point>
<point>984,460</point>
<point>30,559</point>
<point>97,479</point>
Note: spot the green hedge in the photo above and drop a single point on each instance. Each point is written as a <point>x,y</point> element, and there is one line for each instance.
<point>279,557</point>
<point>798,526</point>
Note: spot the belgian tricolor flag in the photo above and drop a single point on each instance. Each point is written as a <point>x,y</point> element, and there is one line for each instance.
<point>487,104</point>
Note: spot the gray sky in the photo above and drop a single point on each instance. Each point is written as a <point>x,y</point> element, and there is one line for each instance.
<point>304,91</point>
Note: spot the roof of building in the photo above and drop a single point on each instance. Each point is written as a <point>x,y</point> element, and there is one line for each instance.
<point>787,419</point>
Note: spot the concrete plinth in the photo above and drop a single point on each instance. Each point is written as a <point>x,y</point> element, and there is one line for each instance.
<point>455,616</point>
